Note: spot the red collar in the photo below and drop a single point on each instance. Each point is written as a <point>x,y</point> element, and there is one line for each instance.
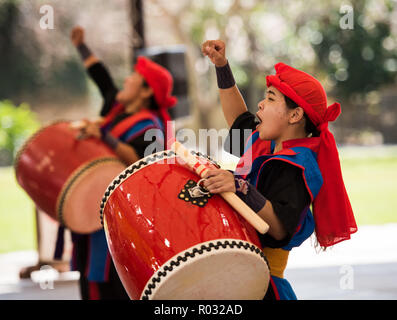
<point>311,143</point>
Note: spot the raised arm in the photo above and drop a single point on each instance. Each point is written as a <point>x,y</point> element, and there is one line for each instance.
<point>95,69</point>
<point>232,102</point>
<point>77,38</point>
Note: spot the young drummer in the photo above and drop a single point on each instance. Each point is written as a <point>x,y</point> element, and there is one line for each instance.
<point>288,163</point>
<point>127,114</point>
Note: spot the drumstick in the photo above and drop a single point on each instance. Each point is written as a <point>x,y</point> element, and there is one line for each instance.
<point>240,206</point>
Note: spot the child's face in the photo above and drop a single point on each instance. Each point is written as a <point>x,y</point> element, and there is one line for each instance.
<point>133,89</point>
<point>273,114</point>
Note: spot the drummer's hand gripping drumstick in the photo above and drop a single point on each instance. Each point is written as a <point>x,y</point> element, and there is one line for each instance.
<point>257,222</point>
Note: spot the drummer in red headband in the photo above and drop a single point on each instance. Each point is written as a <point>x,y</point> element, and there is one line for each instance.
<point>289,163</point>
<point>141,105</point>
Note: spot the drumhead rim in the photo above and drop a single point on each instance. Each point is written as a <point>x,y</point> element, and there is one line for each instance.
<point>200,249</point>
<point>138,165</point>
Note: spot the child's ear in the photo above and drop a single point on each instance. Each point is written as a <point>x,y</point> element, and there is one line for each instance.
<point>296,115</point>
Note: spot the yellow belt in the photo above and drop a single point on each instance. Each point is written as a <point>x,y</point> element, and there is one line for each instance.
<point>277,259</point>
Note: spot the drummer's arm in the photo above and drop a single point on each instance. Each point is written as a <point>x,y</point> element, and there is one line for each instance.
<point>233,104</point>
<point>126,153</point>
<point>77,37</point>
<point>90,59</point>
<point>276,229</point>
<point>281,208</point>
<point>261,206</point>
<point>232,101</point>
<point>96,70</point>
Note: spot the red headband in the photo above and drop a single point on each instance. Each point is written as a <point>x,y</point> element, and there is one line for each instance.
<point>161,82</point>
<point>331,208</point>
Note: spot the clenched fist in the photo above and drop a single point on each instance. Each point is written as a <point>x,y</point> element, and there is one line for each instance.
<point>215,50</point>
<point>77,36</point>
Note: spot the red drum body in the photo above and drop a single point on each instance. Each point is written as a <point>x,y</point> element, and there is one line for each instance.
<point>66,177</point>
<point>168,245</point>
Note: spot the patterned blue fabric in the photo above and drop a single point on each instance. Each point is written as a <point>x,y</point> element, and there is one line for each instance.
<point>98,257</point>
<point>306,159</point>
<point>140,128</point>
<point>284,289</point>
<point>305,230</point>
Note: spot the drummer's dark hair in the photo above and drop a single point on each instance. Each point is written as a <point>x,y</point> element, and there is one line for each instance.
<point>152,101</point>
<point>310,128</point>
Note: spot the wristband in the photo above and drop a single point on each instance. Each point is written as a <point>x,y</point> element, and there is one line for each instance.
<point>84,51</point>
<point>110,140</point>
<point>249,194</point>
<point>225,77</point>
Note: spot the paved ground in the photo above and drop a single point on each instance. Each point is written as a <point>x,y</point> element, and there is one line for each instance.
<point>363,268</point>
<point>370,281</point>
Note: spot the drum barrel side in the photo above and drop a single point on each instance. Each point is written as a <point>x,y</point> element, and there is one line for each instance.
<point>19,166</point>
<point>137,253</point>
<point>47,160</point>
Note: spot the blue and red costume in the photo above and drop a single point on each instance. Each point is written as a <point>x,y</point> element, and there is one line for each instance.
<point>91,256</point>
<point>302,154</point>
<point>315,159</point>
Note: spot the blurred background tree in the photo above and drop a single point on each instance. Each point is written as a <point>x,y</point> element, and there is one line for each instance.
<point>41,67</point>
<point>356,66</point>
<point>360,62</point>
<point>17,123</point>
<point>28,70</point>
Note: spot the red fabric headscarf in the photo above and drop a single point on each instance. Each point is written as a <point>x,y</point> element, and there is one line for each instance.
<point>332,211</point>
<point>161,82</point>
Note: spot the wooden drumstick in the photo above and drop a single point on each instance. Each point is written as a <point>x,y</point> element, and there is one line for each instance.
<point>240,206</point>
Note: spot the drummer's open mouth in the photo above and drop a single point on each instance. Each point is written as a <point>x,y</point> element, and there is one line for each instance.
<point>258,120</point>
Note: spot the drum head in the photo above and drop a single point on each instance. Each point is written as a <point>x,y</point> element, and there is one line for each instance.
<point>216,270</point>
<point>78,204</point>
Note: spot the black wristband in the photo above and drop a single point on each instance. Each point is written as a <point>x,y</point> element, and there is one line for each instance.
<point>224,76</point>
<point>249,194</point>
<point>110,140</point>
<point>84,51</point>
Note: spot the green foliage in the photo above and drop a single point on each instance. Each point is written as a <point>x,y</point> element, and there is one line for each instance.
<point>16,125</point>
<point>361,59</point>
